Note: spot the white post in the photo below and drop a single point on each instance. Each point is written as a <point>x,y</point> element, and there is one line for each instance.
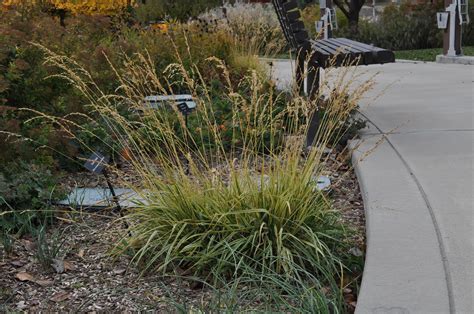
<point>326,24</point>
<point>452,28</point>
<point>373,10</point>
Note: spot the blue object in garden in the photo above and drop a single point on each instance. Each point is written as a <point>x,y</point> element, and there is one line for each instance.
<point>96,163</point>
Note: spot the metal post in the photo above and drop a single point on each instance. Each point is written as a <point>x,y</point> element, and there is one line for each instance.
<point>186,172</point>
<point>112,191</point>
<point>116,200</point>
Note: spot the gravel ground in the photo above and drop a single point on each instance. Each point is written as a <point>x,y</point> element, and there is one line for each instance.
<point>89,279</point>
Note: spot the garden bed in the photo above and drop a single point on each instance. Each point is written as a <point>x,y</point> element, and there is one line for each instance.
<point>93,280</point>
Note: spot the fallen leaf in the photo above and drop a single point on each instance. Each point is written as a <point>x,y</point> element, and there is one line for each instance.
<point>60,296</point>
<point>29,245</point>
<point>349,298</point>
<point>22,276</point>
<point>43,283</point>
<point>81,253</point>
<point>119,271</point>
<point>68,266</point>
<point>17,263</point>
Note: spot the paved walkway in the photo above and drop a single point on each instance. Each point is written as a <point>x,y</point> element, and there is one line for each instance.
<point>418,187</point>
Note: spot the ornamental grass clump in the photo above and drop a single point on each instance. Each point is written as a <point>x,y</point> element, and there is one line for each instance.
<point>254,27</point>
<point>225,205</point>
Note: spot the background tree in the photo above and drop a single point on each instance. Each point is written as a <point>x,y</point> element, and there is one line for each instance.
<point>351,9</point>
<point>148,10</point>
<point>61,7</point>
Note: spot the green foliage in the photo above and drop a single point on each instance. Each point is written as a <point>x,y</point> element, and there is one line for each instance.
<point>346,128</point>
<point>253,27</point>
<point>428,54</point>
<point>248,221</point>
<point>419,55</point>
<point>403,27</point>
<point>155,10</point>
<point>50,249</point>
<point>311,13</point>
<point>25,189</point>
<point>218,209</point>
<point>26,82</point>
<point>224,116</point>
<point>468,30</point>
<point>7,241</point>
<point>266,292</point>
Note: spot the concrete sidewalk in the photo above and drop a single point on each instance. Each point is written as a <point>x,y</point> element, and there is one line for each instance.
<point>418,187</point>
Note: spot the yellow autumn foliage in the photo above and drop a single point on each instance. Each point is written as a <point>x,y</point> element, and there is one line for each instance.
<point>90,7</point>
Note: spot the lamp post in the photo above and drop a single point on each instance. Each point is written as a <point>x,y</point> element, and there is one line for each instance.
<point>456,11</point>
<point>97,163</point>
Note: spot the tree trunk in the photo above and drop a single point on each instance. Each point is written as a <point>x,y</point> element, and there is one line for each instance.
<point>353,22</point>
<point>62,17</point>
<point>351,9</point>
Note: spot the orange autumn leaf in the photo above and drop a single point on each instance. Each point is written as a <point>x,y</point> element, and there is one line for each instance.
<point>89,7</point>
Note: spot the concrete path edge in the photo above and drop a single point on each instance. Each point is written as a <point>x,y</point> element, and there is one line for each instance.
<point>404,270</point>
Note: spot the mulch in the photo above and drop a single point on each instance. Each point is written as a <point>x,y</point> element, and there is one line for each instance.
<point>92,280</point>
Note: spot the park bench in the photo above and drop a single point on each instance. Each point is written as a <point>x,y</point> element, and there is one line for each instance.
<point>322,53</point>
<point>185,103</point>
<point>326,52</point>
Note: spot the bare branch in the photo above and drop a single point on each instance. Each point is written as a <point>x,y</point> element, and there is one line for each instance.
<point>344,10</point>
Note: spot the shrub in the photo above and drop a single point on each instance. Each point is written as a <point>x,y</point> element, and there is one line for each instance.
<point>26,82</point>
<point>311,13</point>
<point>25,192</point>
<point>182,10</point>
<point>50,248</point>
<point>468,30</point>
<point>403,27</point>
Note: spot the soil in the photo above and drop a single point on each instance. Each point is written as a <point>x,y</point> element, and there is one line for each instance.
<point>90,279</point>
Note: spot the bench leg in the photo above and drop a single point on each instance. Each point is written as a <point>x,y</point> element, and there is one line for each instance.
<point>313,128</point>
<point>314,75</point>
<point>312,90</point>
<point>300,65</point>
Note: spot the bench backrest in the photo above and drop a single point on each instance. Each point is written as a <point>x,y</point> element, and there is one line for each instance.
<point>290,20</point>
<point>157,101</point>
